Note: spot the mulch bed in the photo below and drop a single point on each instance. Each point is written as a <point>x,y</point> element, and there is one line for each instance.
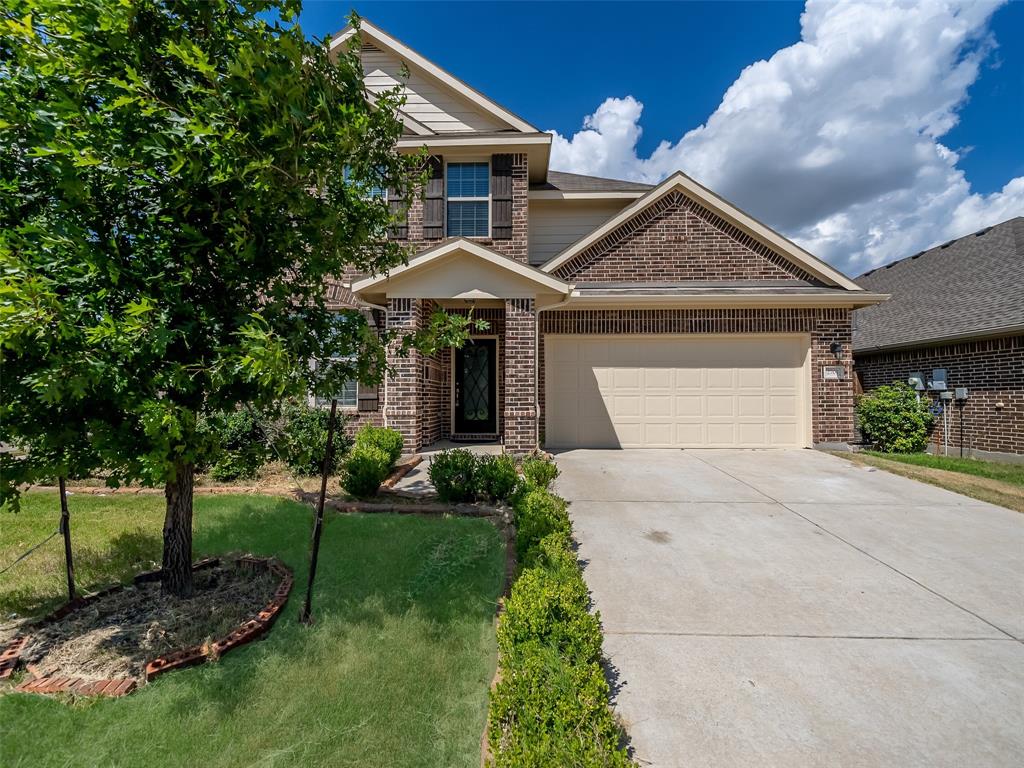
<point>113,640</point>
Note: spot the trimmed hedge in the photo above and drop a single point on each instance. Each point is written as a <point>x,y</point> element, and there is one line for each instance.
<point>453,475</point>
<point>496,477</point>
<point>374,453</point>
<point>551,705</point>
<point>539,470</point>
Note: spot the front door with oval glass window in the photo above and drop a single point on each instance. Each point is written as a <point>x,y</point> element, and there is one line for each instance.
<point>476,387</point>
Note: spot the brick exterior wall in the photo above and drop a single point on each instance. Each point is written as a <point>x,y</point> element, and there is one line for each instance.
<point>991,369</point>
<point>520,402</point>
<point>831,401</point>
<point>678,239</point>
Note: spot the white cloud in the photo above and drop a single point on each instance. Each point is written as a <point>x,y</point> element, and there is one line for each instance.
<point>834,140</point>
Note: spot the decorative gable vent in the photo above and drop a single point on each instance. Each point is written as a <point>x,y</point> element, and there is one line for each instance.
<point>369,48</point>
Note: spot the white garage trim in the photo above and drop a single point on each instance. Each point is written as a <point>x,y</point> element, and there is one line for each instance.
<point>677,390</point>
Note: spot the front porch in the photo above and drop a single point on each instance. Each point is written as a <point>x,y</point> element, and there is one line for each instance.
<point>483,393</point>
<point>487,390</point>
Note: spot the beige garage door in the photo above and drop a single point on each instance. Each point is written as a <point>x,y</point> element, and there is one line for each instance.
<point>677,392</point>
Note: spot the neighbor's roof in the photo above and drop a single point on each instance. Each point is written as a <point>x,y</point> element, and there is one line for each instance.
<point>969,287</point>
<point>574,182</point>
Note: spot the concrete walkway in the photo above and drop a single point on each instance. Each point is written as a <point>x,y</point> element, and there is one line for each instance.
<point>788,608</point>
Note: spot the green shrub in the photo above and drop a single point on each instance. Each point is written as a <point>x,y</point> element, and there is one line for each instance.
<point>538,513</point>
<point>242,445</point>
<point>539,470</point>
<point>892,419</point>
<point>547,712</point>
<point>388,440</point>
<point>452,474</point>
<point>302,438</point>
<point>496,477</point>
<point>550,606</point>
<point>365,468</point>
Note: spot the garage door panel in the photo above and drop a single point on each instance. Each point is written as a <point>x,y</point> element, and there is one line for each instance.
<point>647,391</point>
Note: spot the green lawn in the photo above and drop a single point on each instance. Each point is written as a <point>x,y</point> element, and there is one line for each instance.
<point>994,470</point>
<point>395,672</point>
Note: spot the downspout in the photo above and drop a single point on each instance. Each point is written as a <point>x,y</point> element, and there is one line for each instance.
<point>536,358</point>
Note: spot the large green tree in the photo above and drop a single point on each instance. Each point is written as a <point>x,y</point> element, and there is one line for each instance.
<point>173,202</point>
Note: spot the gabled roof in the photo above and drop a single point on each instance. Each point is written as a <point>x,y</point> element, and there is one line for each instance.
<point>381,39</point>
<point>680,182</point>
<point>970,287</point>
<point>543,283</point>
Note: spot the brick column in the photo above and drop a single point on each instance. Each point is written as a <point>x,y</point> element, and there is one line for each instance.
<point>405,382</point>
<point>832,400</point>
<point>520,406</point>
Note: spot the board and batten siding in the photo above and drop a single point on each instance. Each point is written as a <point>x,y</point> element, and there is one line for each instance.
<point>557,224</point>
<point>427,102</point>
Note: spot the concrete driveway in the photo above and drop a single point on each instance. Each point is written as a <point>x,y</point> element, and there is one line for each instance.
<point>788,608</point>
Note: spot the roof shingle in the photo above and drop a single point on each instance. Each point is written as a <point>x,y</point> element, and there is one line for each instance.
<point>574,182</point>
<point>973,285</point>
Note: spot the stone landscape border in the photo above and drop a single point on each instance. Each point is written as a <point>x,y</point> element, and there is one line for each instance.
<point>185,657</point>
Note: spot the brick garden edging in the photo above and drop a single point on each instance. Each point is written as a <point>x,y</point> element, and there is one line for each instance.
<point>186,657</point>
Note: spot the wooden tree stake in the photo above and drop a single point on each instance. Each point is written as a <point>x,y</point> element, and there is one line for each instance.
<point>305,615</point>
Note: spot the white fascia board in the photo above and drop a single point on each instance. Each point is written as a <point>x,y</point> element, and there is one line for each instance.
<point>726,210</point>
<point>853,299</point>
<point>470,140</point>
<point>407,54</point>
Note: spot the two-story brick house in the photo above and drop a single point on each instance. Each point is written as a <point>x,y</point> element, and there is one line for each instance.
<point>620,314</point>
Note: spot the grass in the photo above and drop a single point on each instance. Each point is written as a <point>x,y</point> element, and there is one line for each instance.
<point>996,483</point>
<point>395,671</point>
<point>994,470</point>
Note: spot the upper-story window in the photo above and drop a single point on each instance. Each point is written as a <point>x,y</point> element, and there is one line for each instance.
<point>469,193</point>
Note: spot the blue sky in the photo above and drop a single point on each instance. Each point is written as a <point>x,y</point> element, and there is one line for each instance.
<point>860,201</point>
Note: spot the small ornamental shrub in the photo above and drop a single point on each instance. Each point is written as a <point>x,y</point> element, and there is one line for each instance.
<point>241,443</point>
<point>452,474</point>
<point>365,468</point>
<point>550,606</point>
<point>496,477</point>
<point>302,438</point>
<point>388,440</point>
<point>538,513</point>
<point>892,419</point>
<point>539,470</point>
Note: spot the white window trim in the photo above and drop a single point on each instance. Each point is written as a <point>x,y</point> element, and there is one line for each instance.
<point>341,406</point>
<point>490,192</point>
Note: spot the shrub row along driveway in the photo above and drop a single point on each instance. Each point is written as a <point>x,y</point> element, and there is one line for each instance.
<point>790,608</point>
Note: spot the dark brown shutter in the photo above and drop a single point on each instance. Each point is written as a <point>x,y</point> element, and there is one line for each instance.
<point>501,197</point>
<point>399,229</point>
<point>433,199</point>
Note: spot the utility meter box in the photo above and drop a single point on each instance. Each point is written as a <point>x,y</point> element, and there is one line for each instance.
<point>961,393</point>
<point>916,381</point>
<point>946,395</point>
<point>938,382</point>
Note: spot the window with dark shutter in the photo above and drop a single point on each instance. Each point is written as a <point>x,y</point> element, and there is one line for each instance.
<point>399,229</point>
<point>433,200</point>
<point>501,197</point>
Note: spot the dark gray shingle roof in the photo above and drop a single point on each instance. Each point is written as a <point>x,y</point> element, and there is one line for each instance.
<point>574,182</point>
<point>972,285</point>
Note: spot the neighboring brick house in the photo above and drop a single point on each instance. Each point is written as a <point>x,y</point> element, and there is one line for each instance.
<point>620,314</point>
<point>957,307</point>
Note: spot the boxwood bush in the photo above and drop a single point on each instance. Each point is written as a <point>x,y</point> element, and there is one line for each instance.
<point>242,445</point>
<point>539,470</point>
<point>496,477</point>
<point>892,419</point>
<point>365,468</point>
<point>538,513</point>
<point>453,475</point>
<point>551,705</point>
<point>302,438</point>
<point>388,440</point>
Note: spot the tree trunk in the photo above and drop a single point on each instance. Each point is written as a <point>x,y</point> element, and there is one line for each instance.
<point>177,560</point>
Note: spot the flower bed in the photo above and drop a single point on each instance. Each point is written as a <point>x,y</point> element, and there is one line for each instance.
<point>104,643</point>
